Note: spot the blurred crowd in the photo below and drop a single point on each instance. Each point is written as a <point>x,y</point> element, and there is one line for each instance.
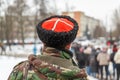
<point>100,62</point>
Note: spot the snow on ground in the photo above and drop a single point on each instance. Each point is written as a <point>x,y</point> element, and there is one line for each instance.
<point>18,49</point>
<point>6,65</point>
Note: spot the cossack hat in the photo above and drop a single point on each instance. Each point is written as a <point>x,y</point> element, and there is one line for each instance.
<point>57,31</point>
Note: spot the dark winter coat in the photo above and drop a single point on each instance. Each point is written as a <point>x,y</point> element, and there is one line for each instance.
<point>93,61</point>
<point>81,59</point>
<point>112,57</point>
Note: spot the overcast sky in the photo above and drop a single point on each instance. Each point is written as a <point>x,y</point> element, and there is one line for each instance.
<point>100,9</point>
<point>95,8</point>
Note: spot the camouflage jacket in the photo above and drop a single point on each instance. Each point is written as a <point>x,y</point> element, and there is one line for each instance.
<point>47,67</point>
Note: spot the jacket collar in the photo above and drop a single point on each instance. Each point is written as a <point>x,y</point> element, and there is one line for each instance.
<point>50,51</point>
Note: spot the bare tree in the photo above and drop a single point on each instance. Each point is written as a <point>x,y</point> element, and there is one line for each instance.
<point>8,25</point>
<point>20,9</point>
<point>116,22</point>
<point>41,12</point>
<point>99,31</point>
<point>68,7</point>
<point>1,20</point>
<point>2,23</point>
<point>5,25</point>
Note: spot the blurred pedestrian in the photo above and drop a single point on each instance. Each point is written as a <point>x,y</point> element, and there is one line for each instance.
<point>77,48</point>
<point>103,59</point>
<point>34,49</point>
<point>3,50</point>
<point>93,62</point>
<point>98,50</point>
<point>87,52</point>
<point>74,47</point>
<point>81,58</point>
<point>117,63</point>
<point>114,50</point>
<point>57,33</point>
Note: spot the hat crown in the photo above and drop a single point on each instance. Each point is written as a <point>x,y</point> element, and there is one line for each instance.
<point>57,31</point>
<point>58,25</point>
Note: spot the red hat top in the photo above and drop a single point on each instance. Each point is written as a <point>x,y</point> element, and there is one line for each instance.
<point>58,25</point>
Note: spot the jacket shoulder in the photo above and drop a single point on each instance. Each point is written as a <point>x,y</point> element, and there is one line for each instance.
<point>21,65</point>
<point>18,71</point>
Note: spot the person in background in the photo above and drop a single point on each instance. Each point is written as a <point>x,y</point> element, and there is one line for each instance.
<point>74,47</point>
<point>109,52</point>
<point>56,33</point>
<point>3,50</point>
<point>114,50</point>
<point>98,50</point>
<point>81,58</point>
<point>103,59</point>
<point>117,63</point>
<point>34,49</point>
<point>87,52</point>
<point>93,62</point>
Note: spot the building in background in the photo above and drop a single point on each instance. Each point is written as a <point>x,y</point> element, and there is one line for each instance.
<point>84,22</point>
<point>12,30</point>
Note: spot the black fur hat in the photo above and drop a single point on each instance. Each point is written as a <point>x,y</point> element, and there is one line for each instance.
<point>57,31</point>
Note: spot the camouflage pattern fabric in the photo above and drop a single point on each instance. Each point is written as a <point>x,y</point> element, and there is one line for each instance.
<point>42,68</point>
